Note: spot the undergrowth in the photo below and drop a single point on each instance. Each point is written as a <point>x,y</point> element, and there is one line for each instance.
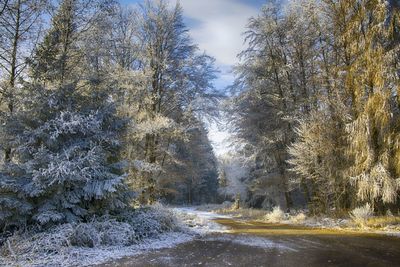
<point>35,247</point>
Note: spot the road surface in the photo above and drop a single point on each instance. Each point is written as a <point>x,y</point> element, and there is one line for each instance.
<point>261,244</point>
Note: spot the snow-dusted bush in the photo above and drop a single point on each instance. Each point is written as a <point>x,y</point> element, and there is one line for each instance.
<point>275,216</point>
<point>103,232</point>
<point>298,218</point>
<point>360,215</point>
<point>123,230</point>
<point>33,243</point>
<point>84,235</point>
<point>151,221</point>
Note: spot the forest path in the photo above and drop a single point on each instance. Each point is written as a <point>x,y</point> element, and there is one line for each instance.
<point>248,243</point>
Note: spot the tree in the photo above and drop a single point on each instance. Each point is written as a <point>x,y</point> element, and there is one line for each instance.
<point>176,78</point>
<point>232,177</point>
<point>277,81</point>
<point>191,177</point>
<point>65,163</point>
<point>370,80</point>
<point>20,28</point>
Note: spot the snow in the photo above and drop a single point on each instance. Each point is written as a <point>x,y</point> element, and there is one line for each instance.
<point>79,256</point>
<point>201,222</point>
<point>87,257</point>
<point>82,256</point>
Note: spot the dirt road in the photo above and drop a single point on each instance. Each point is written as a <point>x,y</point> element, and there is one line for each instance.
<point>260,244</point>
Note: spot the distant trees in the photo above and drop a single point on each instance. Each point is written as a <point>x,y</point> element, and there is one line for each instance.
<point>319,101</point>
<point>20,29</point>
<point>194,168</point>
<point>232,175</point>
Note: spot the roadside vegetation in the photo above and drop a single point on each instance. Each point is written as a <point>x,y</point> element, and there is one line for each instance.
<point>361,219</point>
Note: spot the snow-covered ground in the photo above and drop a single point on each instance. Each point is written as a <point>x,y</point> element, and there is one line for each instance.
<point>200,222</point>
<point>92,256</point>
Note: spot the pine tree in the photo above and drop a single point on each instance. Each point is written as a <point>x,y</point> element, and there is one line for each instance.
<point>66,148</point>
<point>54,56</point>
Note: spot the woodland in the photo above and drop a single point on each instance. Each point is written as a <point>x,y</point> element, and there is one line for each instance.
<point>105,109</point>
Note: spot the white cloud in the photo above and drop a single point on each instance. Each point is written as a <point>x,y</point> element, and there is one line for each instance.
<point>220,27</point>
<point>217,28</point>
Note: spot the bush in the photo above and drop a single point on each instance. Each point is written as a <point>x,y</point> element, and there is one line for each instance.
<point>275,216</point>
<point>361,215</point>
<point>149,222</point>
<point>104,232</point>
<point>299,218</point>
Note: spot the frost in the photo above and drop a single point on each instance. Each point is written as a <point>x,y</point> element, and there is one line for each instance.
<point>275,216</point>
<point>100,240</point>
<point>361,215</point>
<point>201,222</point>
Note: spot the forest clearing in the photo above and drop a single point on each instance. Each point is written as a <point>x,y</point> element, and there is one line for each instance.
<point>214,133</point>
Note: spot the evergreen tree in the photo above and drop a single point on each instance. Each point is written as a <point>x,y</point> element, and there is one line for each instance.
<point>66,148</point>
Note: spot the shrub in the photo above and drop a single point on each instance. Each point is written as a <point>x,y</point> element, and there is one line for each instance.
<point>361,215</point>
<point>84,235</point>
<point>275,216</point>
<point>299,218</point>
<point>121,230</point>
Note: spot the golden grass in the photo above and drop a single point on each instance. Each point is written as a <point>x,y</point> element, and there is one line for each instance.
<point>254,214</point>
<point>253,222</point>
<point>382,221</point>
<point>268,229</point>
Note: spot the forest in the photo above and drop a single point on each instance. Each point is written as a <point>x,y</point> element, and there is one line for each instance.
<point>316,106</point>
<point>105,110</point>
<point>101,106</point>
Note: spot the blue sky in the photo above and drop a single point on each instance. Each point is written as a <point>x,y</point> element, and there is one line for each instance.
<point>217,27</point>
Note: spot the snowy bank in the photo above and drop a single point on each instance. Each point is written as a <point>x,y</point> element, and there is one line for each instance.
<point>100,240</point>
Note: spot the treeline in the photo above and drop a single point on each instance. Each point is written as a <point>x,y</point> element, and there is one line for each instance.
<point>317,103</point>
<point>101,108</point>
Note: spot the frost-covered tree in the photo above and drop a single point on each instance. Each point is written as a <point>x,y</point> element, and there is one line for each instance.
<point>233,174</point>
<point>65,163</point>
<point>176,79</point>
<point>318,156</point>
<point>371,79</point>
<point>317,104</point>
<point>277,84</point>
<point>20,28</point>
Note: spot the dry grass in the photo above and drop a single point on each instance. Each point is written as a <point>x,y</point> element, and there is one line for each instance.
<point>379,223</point>
<point>361,215</point>
<point>383,221</point>
<point>342,221</point>
<point>247,214</point>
